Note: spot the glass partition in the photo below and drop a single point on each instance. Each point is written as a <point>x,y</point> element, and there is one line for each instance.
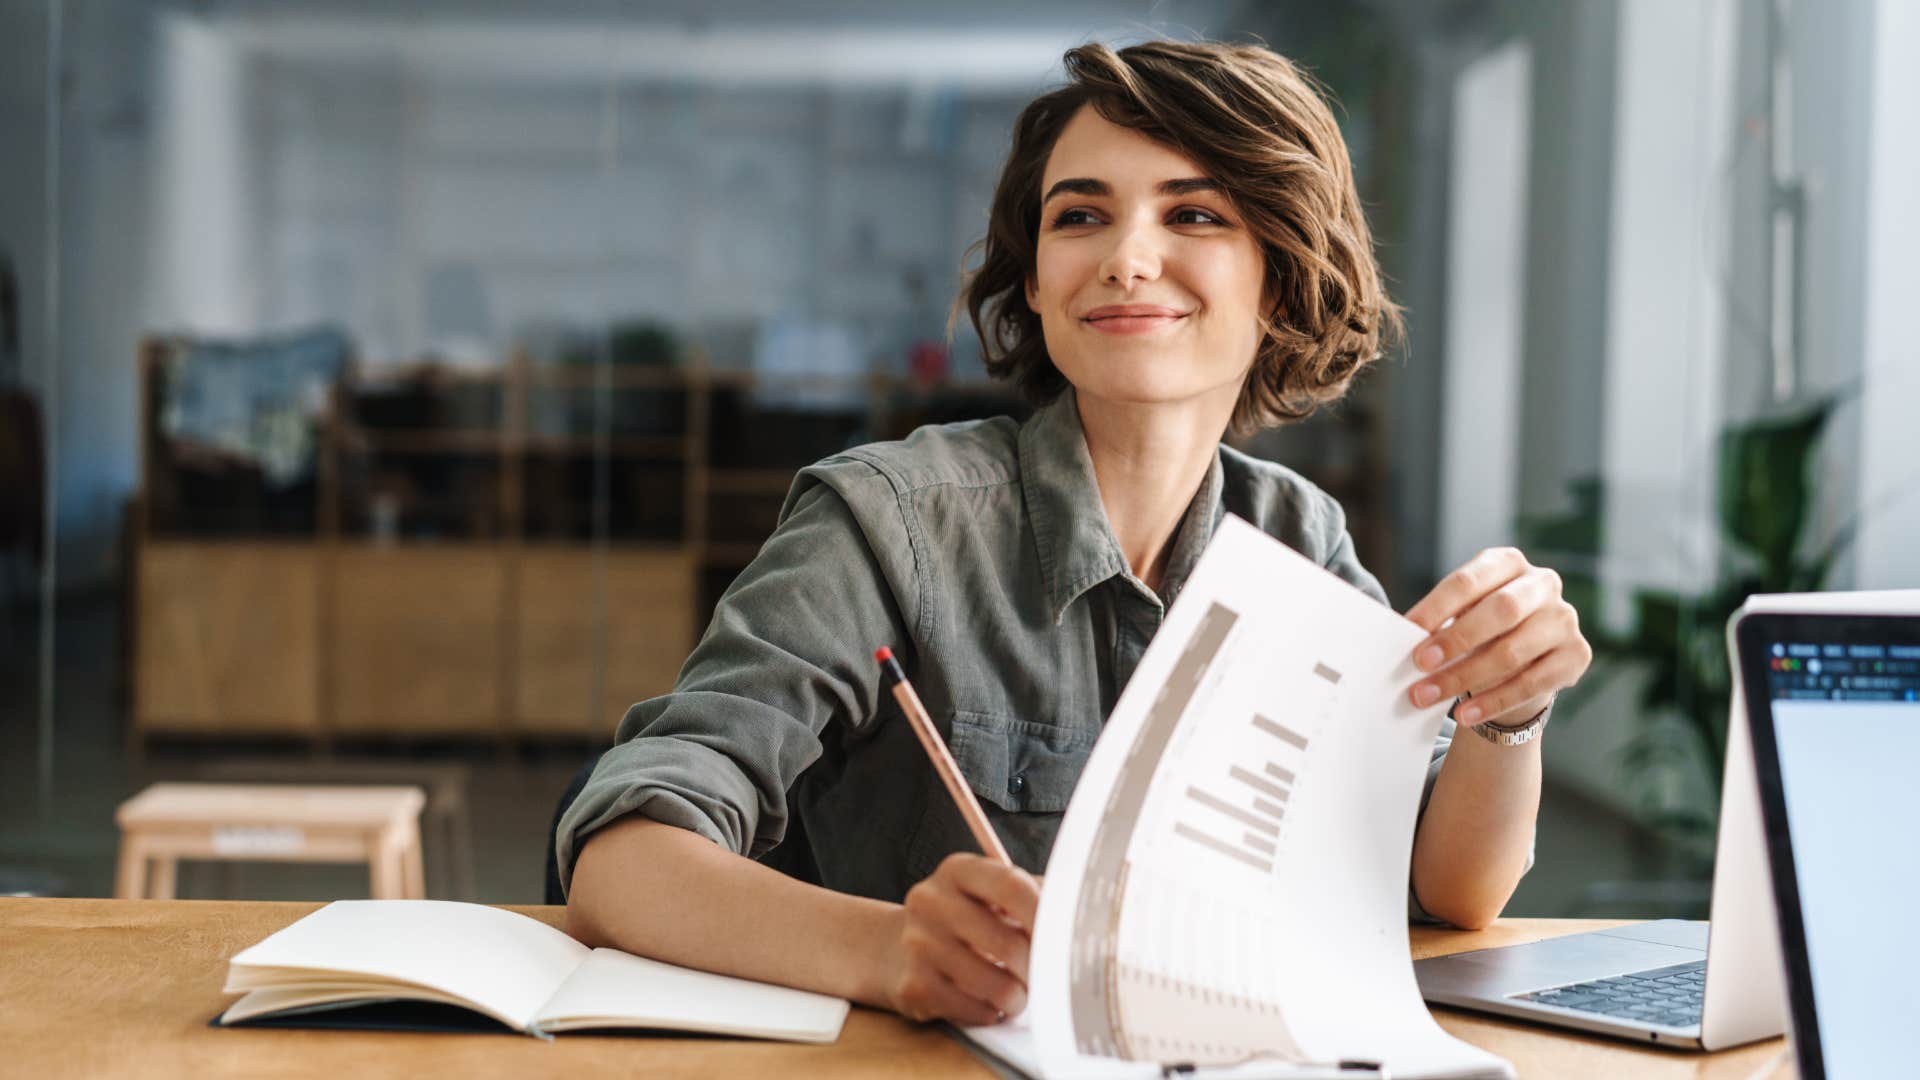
<point>387,395</point>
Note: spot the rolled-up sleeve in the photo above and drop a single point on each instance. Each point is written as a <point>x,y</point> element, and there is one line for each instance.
<point>789,651</point>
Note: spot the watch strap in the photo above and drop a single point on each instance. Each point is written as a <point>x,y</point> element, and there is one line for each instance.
<point>1513,734</point>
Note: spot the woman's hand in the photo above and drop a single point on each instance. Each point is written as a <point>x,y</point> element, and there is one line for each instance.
<point>1513,642</point>
<point>961,950</point>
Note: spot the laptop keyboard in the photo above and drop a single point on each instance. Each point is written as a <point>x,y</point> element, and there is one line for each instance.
<point>1668,996</point>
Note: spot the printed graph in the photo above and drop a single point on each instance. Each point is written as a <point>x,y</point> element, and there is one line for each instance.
<point>1227,853</point>
<point>1240,815</point>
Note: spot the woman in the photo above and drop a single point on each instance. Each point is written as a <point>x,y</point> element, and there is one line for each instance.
<point>1175,247</point>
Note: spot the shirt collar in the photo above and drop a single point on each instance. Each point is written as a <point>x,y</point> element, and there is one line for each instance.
<point>1196,531</point>
<point>1077,548</point>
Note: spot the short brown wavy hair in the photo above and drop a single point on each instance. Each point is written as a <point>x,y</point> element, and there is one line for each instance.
<point>1262,128</point>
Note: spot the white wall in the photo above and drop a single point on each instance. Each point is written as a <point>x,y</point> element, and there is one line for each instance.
<point>570,204</point>
<point>1888,555</point>
<point>1829,100</point>
<point>1569,205</point>
<point>1486,299</point>
<point>1848,143</point>
<point>101,227</point>
<point>205,278</point>
<point>1661,411</point>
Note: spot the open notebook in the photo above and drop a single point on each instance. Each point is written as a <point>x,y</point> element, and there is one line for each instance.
<point>507,967</point>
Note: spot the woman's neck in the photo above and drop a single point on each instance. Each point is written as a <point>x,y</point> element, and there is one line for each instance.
<point>1149,461</point>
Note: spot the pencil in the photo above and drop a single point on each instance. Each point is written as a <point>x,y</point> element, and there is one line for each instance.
<point>943,762</point>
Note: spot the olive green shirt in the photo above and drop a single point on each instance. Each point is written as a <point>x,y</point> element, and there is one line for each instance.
<point>980,552</point>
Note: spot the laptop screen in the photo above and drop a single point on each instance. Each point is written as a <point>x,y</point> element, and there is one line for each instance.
<point>1844,698</point>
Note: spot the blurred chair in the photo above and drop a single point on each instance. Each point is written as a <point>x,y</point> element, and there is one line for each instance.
<point>378,826</point>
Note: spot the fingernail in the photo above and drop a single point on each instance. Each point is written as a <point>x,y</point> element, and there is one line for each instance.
<point>999,1017</point>
<point>1426,694</point>
<point>1467,714</point>
<point>1429,658</point>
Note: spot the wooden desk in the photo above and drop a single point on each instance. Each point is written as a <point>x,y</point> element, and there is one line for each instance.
<point>126,987</point>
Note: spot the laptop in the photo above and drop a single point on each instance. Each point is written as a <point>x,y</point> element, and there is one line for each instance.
<point>1834,719</point>
<point>1672,982</point>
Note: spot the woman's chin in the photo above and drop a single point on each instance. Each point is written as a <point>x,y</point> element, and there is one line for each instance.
<point>1140,393</point>
<point>1160,381</point>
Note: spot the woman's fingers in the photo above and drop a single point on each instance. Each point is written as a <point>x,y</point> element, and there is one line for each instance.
<point>964,942</point>
<point>968,919</point>
<point>1489,617</point>
<point>972,975</point>
<point>1496,661</point>
<point>1458,591</point>
<point>1546,676</point>
<point>1008,889</point>
<point>927,994</point>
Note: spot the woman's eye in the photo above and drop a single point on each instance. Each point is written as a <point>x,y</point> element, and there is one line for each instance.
<point>1194,216</point>
<point>1073,217</point>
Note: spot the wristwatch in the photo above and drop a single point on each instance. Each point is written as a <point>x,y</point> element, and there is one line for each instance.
<point>1510,734</point>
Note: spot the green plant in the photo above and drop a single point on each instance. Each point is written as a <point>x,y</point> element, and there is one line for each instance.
<point>1764,501</point>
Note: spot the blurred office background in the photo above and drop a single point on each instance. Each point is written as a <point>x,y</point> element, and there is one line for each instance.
<point>390,389</point>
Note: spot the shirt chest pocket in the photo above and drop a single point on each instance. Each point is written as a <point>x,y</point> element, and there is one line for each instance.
<point>1018,766</point>
<point>1024,774</point>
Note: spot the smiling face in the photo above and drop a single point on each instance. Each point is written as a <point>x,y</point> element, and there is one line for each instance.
<point>1147,286</point>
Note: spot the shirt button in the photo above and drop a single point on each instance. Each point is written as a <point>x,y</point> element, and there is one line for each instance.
<point>1016,784</point>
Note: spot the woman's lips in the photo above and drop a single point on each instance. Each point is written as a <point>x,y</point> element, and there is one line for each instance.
<point>1132,318</point>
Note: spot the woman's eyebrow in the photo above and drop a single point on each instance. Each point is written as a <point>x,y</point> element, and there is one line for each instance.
<point>1083,185</point>
<point>1188,186</point>
<point>1077,185</point>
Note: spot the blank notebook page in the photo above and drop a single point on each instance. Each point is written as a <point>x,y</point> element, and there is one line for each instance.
<point>507,965</point>
<point>633,991</point>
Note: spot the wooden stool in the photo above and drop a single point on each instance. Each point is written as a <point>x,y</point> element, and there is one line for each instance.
<point>379,826</point>
<point>446,817</point>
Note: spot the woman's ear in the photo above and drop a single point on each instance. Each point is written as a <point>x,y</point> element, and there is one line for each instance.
<point>1032,293</point>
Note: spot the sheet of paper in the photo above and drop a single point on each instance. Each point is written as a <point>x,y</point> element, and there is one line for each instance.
<point>1230,879</point>
<point>1012,1042</point>
<point>505,964</point>
<point>617,989</point>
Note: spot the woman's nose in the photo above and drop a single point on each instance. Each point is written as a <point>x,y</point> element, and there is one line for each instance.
<point>1134,257</point>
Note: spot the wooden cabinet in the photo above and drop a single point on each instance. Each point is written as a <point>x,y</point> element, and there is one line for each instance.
<point>417,639</point>
<point>229,638</point>
<point>564,598</point>
<point>525,551</point>
<point>405,640</point>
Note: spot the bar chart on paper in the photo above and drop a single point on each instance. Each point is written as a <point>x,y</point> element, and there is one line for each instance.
<point>1242,754</point>
<point>1228,884</point>
<point>1252,804</point>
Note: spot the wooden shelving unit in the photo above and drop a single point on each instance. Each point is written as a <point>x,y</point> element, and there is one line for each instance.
<point>507,605</point>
